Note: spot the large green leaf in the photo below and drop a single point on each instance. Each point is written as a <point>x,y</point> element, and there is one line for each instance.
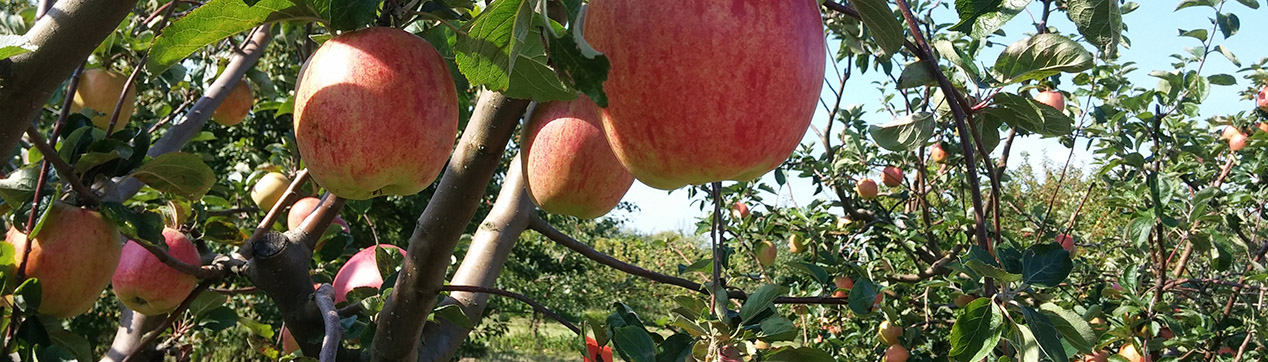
<point>1041,56</point>
<point>976,331</point>
<point>180,173</point>
<point>863,296</point>
<point>883,26</point>
<point>634,344</point>
<point>761,300</point>
<point>1045,334</point>
<point>1047,264</point>
<point>915,74</point>
<point>905,133</point>
<point>493,41</point>
<point>213,21</point>
<point>1076,331</point>
<point>11,45</point>
<point>970,10</point>
<point>1100,21</point>
<point>1028,114</point>
<point>989,22</point>
<point>587,71</point>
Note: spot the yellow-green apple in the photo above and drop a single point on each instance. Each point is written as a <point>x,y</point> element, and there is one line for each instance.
<point>766,253</point>
<point>1067,242</point>
<point>896,353</point>
<point>843,284</point>
<point>937,154</point>
<point>866,189</point>
<point>739,210</point>
<point>236,105</point>
<point>761,345</point>
<point>1261,99</point>
<point>269,189</point>
<point>796,244</point>
<point>701,92</point>
<point>1132,354</point>
<point>1229,132</point>
<point>596,354</point>
<point>73,254</point>
<point>889,333</point>
<point>361,271</point>
<point>567,162</point>
<point>892,176</point>
<point>99,90</point>
<point>1098,356</point>
<point>1053,99</point>
<point>1237,142</point>
<point>376,114</point>
<point>146,285</point>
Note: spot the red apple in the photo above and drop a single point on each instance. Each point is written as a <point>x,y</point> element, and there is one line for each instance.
<point>1053,99</point>
<point>1225,350</point>
<point>596,354</point>
<point>843,284</point>
<point>236,105</point>
<point>569,166</point>
<point>1132,354</point>
<point>1261,99</point>
<point>937,154</point>
<point>896,353</point>
<point>867,189</point>
<point>73,255</point>
<point>701,91</point>
<point>1067,242</point>
<point>892,176</point>
<point>766,253</point>
<point>1263,126</point>
<point>739,210</point>
<point>269,189</point>
<point>146,285</point>
<point>1237,142</point>
<point>305,206</point>
<point>376,114</point>
<point>361,271</point>
<point>99,90</point>
<point>1098,356</point>
<point>1229,132</point>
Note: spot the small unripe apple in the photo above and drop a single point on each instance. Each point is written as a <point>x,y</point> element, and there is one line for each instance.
<point>766,253</point>
<point>99,89</point>
<point>896,353</point>
<point>73,255</point>
<point>843,284</point>
<point>236,105</point>
<point>1166,333</point>
<point>568,164</point>
<point>739,210</point>
<point>937,154</point>
<point>892,176</point>
<point>596,354</point>
<point>376,114</point>
<point>1229,132</point>
<point>963,300</point>
<point>797,244</point>
<point>1053,99</point>
<point>867,189</point>
<point>1132,354</point>
<point>146,285</point>
<point>361,271</point>
<point>269,189</point>
<point>1261,99</point>
<point>889,333</point>
<point>1237,142</point>
<point>1067,242</point>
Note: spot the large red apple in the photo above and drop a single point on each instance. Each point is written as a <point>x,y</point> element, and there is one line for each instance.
<point>236,105</point>
<point>361,271</point>
<point>705,90</point>
<point>73,255</point>
<point>1053,99</point>
<point>892,176</point>
<point>99,90</point>
<point>376,114</point>
<point>570,168</point>
<point>1261,99</point>
<point>146,285</point>
<point>593,351</point>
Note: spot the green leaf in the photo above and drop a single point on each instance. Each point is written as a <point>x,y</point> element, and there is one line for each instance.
<point>532,79</point>
<point>1027,347</point>
<point>761,300</point>
<point>347,14</point>
<point>970,10</point>
<point>1228,54</point>
<point>802,354</point>
<point>991,271</point>
<point>180,173</point>
<point>491,47</point>
<point>633,344</point>
<point>821,275</point>
<point>587,72</point>
<point>77,345</point>
<point>883,26</point>
<point>1047,264</point>
<point>1041,56</point>
<point>143,226</point>
<point>19,187</point>
<point>778,328</point>
<point>213,21</point>
<point>675,348</point>
<point>1100,21</point>
<point>27,296</point>
<point>863,296</point>
<point>1045,334</point>
<point>1253,4</point>
<point>454,314</point>
<point>915,74</point>
<point>976,331</point>
<point>952,53</point>
<point>1190,3</point>
<point>1029,115</point>
<point>1222,79</point>
<point>905,133</point>
<point>1139,229</point>
<point>989,22</point>
<point>1199,34</point>
<point>11,45</point>
<point>1228,23</point>
<point>1071,325</point>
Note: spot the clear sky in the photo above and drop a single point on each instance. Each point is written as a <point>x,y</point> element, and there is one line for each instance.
<point>1152,30</point>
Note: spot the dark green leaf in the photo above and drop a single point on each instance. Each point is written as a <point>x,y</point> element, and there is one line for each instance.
<point>863,296</point>
<point>350,14</point>
<point>976,331</point>
<point>778,328</point>
<point>1199,34</point>
<point>970,10</point>
<point>905,133</point>
<point>761,300</point>
<point>1041,56</point>
<point>633,344</point>
<point>213,21</point>
<point>821,276</point>
<point>989,22</point>
<point>991,271</point>
<point>802,354</point>
<point>1190,3</point>
<point>1228,23</point>
<point>1029,115</point>
<point>883,26</point>
<point>588,72</point>
<point>1100,21</point>
<point>143,226</point>
<point>1045,334</point>
<point>676,348</point>
<point>915,75</point>
<point>28,294</point>
<point>1222,79</point>
<point>1139,229</point>
<point>1047,264</point>
<point>218,319</point>
<point>1253,4</point>
<point>180,173</point>
<point>454,314</point>
<point>19,187</point>
<point>1077,332</point>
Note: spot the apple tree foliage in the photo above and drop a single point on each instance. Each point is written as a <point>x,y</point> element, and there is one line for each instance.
<point>1170,224</point>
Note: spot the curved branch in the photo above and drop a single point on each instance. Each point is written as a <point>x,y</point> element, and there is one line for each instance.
<point>324,297</point>
<point>458,195</point>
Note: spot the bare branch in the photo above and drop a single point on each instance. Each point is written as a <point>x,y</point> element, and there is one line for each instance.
<point>266,224</point>
<point>324,296</point>
<point>520,297</point>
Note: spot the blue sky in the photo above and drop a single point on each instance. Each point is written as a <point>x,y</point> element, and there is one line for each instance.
<point>1153,34</point>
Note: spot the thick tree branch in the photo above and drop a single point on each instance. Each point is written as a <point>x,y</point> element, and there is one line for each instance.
<point>132,328</point>
<point>171,318</point>
<point>324,297</point>
<point>279,267</point>
<point>443,221</point>
<point>65,36</point>
<point>310,230</point>
<point>490,248</point>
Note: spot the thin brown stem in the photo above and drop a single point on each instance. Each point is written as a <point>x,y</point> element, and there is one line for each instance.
<point>266,224</point>
<point>520,297</point>
<point>86,195</point>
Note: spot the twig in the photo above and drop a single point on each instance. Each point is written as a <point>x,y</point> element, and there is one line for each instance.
<point>266,224</point>
<point>171,318</point>
<point>520,297</point>
<point>324,296</point>
<point>167,259</point>
<point>235,211</point>
<point>63,169</point>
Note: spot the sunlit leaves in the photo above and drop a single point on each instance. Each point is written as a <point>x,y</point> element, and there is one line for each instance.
<point>989,22</point>
<point>179,173</point>
<point>11,45</point>
<point>1100,22</point>
<point>884,27</point>
<point>1041,56</point>
<point>213,21</point>
<point>1029,115</point>
<point>905,133</point>
<point>976,331</point>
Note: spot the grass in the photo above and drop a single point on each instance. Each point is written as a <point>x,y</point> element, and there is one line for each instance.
<point>551,343</point>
